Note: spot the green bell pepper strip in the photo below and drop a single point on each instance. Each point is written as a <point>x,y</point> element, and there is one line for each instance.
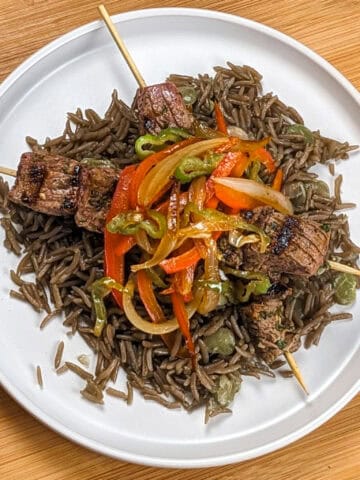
<point>129,223</point>
<point>193,167</point>
<point>99,290</point>
<point>155,143</point>
<point>298,129</point>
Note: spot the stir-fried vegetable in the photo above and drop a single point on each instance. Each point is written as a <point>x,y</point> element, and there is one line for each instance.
<point>278,179</point>
<point>258,284</point>
<point>148,144</point>
<point>129,223</point>
<point>174,206</point>
<point>221,342</point>
<point>114,259</point>
<point>99,290</point>
<point>145,326</point>
<point>345,288</point>
<point>158,180</point>
<point>298,129</point>
<point>259,192</point>
<point>226,388</point>
<point>220,120</point>
<point>193,167</point>
<point>97,162</point>
<point>188,94</point>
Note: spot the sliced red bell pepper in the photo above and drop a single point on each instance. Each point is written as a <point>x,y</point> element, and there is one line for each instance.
<point>236,200</point>
<point>114,263</point>
<point>224,169</point>
<point>124,244</point>
<point>149,162</point>
<point>183,282</point>
<point>220,119</point>
<point>181,262</point>
<point>241,166</point>
<point>148,298</point>
<point>278,179</point>
<point>264,157</point>
<point>183,320</point>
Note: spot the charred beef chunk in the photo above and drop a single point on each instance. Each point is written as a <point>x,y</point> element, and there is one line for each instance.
<point>47,184</point>
<point>267,327</point>
<point>161,106</point>
<point>297,246</point>
<point>97,186</point>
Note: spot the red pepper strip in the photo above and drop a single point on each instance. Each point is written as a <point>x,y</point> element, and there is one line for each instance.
<point>220,120</point>
<point>183,282</point>
<point>242,164</point>
<point>115,264</point>
<point>152,306</point>
<point>264,157</point>
<point>233,199</point>
<point>185,260</point>
<point>149,162</point>
<point>148,298</point>
<point>183,320</point>
<point>277,182</point>
<point>228,146</point>
<point>224,169</point>
<point>213,202</point>
<point>124,244</point>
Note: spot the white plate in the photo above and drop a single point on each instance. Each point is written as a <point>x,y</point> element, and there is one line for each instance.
<point>81,69</point>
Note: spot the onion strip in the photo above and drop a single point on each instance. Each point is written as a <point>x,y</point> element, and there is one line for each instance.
<point>145,326</point>
<point>260,192</point>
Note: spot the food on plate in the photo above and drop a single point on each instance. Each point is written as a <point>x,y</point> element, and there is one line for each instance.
<point>185,238</point>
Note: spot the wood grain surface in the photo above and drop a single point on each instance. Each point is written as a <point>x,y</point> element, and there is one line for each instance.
<point>28,450</point>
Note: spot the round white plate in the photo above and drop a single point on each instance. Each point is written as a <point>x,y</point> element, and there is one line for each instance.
<point>81,69</point>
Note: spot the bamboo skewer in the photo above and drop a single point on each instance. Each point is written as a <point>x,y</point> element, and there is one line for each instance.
<point>121,45</point>
<point>296,371</point>
<point>7,171</point>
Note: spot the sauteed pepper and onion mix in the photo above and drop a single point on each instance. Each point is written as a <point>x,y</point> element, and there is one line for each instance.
<point>173,207</point>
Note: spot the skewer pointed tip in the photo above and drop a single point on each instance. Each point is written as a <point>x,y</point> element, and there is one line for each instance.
<point>296,371</point>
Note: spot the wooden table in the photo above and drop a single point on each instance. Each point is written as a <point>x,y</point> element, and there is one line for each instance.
<point>30,451</point>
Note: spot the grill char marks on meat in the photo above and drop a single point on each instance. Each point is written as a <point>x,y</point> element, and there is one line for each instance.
<point>297,246</point>
<point>161,106</point>
<point>47,184</point>
<point>267,327</point>
<point>97,186</point>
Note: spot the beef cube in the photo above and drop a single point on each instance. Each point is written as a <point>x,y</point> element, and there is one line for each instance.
<point>297,246</point>
<point>47,184</point>
<point>161,106</point>
<point>97,186</point>
<point>267,327</point>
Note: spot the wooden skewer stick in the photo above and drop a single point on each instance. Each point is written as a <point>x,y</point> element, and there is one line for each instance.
<point>296,371</point>
<point>343,268</point>
<point>7,171</point>
<point>121,45</point>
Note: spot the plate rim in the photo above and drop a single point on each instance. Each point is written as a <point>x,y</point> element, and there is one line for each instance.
<point>58,426</point>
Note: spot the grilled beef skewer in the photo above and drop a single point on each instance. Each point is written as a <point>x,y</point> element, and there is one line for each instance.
<point>60,186</point>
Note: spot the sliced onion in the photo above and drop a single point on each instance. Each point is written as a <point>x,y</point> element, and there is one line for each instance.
<point>210,298</point>
<point>159,177</point>
<point>234,131</point>
<point>260,192</point>
<point>167,244</point>
<point>144,325</point>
